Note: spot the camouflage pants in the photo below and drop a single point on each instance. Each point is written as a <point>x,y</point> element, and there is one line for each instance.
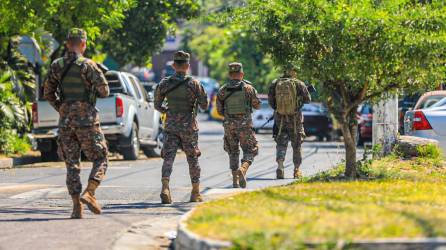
<point>92,142</point>
<point>291,131</point>
<point>239,136</point>
<point>188,141</point>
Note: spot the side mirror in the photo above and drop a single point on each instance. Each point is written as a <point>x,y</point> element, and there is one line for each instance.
<point>150,97</point>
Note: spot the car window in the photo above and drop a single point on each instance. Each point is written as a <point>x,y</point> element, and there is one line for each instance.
<point>429,101</point>
<point>136,87</point>
<point>129,86</point>
<point>264,105</point>
<point>114,84</point>
<point>440,103</point>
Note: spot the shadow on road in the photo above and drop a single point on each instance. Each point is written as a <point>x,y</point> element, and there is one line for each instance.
<point>179,206</point>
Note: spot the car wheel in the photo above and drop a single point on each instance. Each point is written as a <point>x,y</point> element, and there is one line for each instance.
<point>156,151</point>
<point>359,139</point>
<point>328,137</point>
<point>131,153</point>
<point>49,156</point>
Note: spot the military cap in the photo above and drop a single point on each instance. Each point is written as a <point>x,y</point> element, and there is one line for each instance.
<point>235,67</point>
<point>76,33</point>
<point>181,56</point>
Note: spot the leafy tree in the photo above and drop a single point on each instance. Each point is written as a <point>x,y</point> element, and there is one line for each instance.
<point>145,27</point>
<point>219,46</point>
<point>354,50</point>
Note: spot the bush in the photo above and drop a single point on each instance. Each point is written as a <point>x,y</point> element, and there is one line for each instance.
<point>430,151</point>
<point>11,143</point>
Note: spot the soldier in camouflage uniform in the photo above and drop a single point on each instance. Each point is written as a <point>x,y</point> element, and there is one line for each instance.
<point>289,127</point>
<point>178,97</point>
<point>72,86</point>
<point>235,101</point>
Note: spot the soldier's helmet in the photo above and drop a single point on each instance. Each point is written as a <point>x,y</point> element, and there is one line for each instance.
<point>77,34</point>
<point>235,67</point>
<point>181,57</point>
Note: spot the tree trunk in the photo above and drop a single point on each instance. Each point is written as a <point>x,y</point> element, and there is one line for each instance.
<point>349,131</point>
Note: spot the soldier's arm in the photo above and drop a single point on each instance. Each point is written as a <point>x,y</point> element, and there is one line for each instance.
<point>220,103</point>
<point>304,93</point>
<point>159,98</point>
<point>96,78</point>
<point>201,95</point>
<point>50,88</point>
<point>272,95</point>
<point>255,101</point>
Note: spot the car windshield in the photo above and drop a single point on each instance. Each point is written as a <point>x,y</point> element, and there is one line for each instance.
<point>440,103</point>
<point>430,100</point>
<point>264,105</point>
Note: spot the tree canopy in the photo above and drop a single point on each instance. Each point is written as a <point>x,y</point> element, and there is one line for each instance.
<point>354,50</point>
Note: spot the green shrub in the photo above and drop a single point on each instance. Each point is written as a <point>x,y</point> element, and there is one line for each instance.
<point>11,143</point>
<point>430,151</point>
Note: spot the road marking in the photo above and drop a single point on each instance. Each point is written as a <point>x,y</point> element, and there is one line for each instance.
<point>39,193</point>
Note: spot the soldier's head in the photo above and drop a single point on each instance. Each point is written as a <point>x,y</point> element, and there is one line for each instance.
<point>236,71</point>
<point>290,71</point>
<point>181,61</point>
<point>77,40</point>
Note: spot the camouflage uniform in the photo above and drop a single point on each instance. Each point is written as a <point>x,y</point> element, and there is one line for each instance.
<point>181,130</point>
<point>289,128</point>
<point>238,127</point>
<point>79,121</point>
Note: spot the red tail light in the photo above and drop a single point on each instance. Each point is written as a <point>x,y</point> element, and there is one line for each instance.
<point>119,107</point>
<point>35,113</point>
<point>420,122</point>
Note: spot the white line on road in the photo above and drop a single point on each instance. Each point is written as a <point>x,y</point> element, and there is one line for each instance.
<point>39,193</point>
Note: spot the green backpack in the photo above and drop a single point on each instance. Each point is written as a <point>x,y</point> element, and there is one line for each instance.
<point>286,96</point>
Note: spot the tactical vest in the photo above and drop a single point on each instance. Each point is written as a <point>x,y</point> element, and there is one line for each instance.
<point>178,99</point>
<point>72,87</point>
<point>236,103</point>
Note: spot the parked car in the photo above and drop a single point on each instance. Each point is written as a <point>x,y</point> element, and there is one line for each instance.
<point>365,124</point>
<point>428,123</point>
<point>406,103</point>
<point>128,120</point>
<point>317,121</point>
<point>426,101</point>
<point>261,116</point>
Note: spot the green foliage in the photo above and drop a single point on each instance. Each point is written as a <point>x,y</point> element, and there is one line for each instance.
<point>430,151</point>
<point>11,143</point>
<point>12,110</point>
<point>145,27</point>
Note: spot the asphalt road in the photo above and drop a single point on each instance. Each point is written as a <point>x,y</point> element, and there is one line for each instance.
<point>34,203</point>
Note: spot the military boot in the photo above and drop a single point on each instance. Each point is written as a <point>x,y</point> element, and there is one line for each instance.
<point>235,180</point>
<point>195,195</point>
<point>165,192</point>
<point>89,199</point>
<point>297,172</point>
<point>280,172</point>
<point>77,207</point>
<point>242,174</point>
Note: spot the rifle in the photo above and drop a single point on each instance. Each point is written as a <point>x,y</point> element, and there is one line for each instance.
<point>269,119</point>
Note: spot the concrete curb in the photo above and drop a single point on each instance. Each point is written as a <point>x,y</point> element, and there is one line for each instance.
<point>187,240</point>
<point>8,163</point>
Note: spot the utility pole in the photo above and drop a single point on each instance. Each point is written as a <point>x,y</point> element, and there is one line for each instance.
<point>385,123</point>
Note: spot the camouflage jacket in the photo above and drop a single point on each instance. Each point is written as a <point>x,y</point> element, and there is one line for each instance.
<point>180,121</point>
<point>79,113</point>
<point>251,97</point>
<point>302,92</point>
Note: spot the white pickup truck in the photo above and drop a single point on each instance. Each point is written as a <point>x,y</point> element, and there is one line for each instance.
<point>128,119</point>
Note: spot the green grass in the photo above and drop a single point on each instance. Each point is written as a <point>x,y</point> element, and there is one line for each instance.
<point>394,198</point>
